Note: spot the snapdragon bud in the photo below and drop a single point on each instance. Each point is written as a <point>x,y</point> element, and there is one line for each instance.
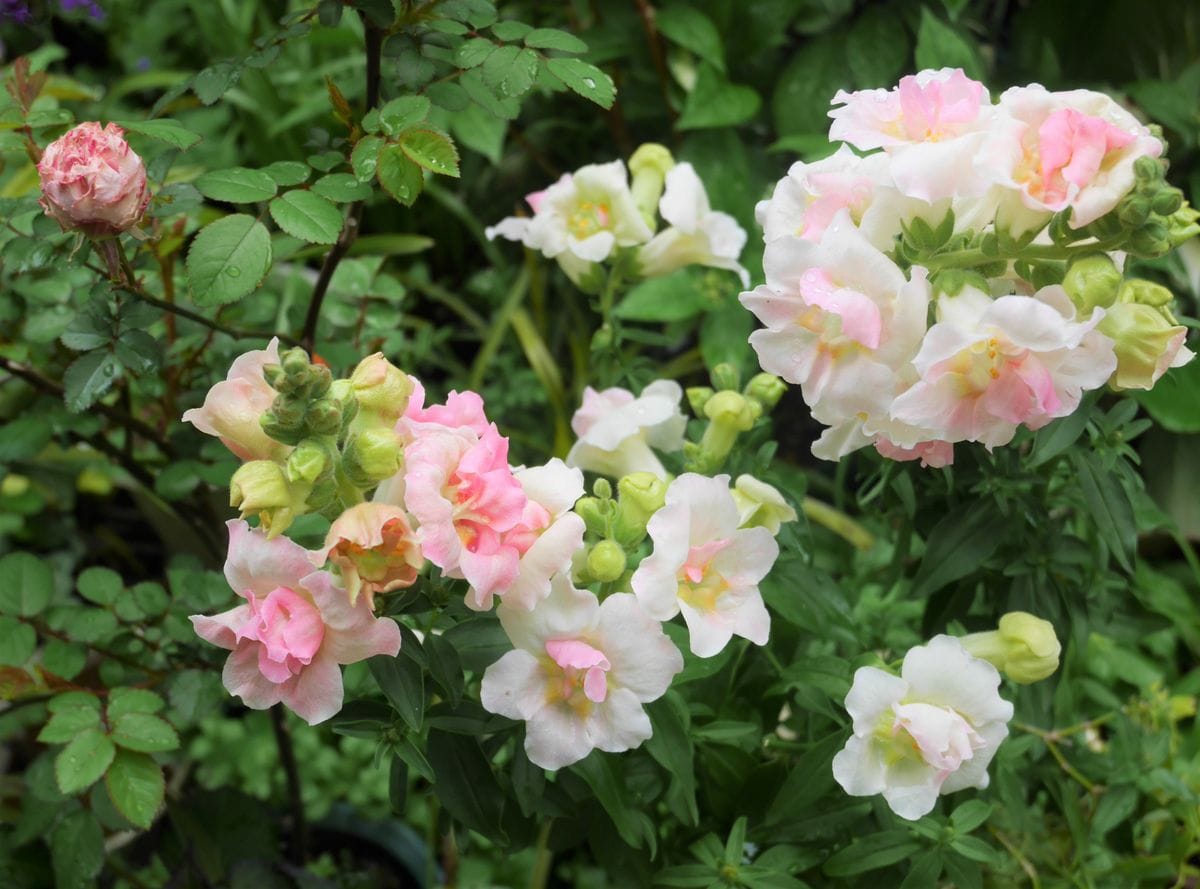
<point>597,514</point>
<point>642,494</point>
<point>262,487</point>
<point>726,377</point>
<point>1147,293</point>
<point>606,561</point>
<point>372,455</point>
<point>729,414</point>
<point>760,505</point>
<point>1023,647</point>
<point>697,397</point>
<point>766,389</point>
<point>1145,342</point>
<point>648,167</point>
<point>381,389</point>
<point>1092,280</point>
<point>308,462</point>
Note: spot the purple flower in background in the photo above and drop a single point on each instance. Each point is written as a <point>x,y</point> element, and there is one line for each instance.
<point>15,11</point>
<point>92,7</point>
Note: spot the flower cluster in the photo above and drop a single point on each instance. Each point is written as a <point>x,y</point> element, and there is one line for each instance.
<point>964,277</point>
<point>588,216</point>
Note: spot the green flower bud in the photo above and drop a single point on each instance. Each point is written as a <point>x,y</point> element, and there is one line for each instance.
<point>697,397</point>
<point>760,505</point>
<point>766,389</point>
<point>642,494</point>
<point>596,514</point>
<point>1147,293</point>
<point>1181,225</point>
<point>1134,210</point>
<point>1145,341</point>
<point>1092,280</point>
<point>726,377</point>
<point>1023,647</point>
<point>729,413</point>
<point>606,561</point>
<point>261,487</point>
<point>307,463</point>
<point>1150,240</point>
<point>274,375</point>
<point>372,455</point>
<point>602,488</point>
<point>648,166</point>
<point>1167,201</point>
<point>1148,168</point>
<point>324,417</point>
<point>381,389</point>
<point>295,363</point>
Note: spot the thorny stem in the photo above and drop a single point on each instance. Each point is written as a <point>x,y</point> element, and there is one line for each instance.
<point>374,49</point>
<point>287,758</point>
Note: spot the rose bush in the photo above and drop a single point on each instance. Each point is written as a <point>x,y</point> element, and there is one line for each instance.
<point>471,444</point>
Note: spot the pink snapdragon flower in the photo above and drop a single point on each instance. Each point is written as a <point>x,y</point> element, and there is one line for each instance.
<point>932,125</point>
<point>1067,149</point>
<point>579,673</point>
<point>706,566</point>
<point>375,549</point>
<point>463,495</point>
<point>296,627</point>
<point>546,538</point>
<point>619,431</point>
<point>931,730</point>
<point>462,410</point>
<point>932,454</point>
<point>232,408</point>
<point>990,366</point>
<point>93,181</point>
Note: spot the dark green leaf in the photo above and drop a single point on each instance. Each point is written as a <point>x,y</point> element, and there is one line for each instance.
<point>136,787</point>
<point>26,584</point>
<point>144,733</point>
<point>133,700</point>
<point>871,853</point>
<point>401,680</point>
<point>80,764</point>
<point>466,785</point>
<point>402,113</point>
<point>307,216</point>
<point>692,29</point>
<point>399,176</point>
<point>551,38</point>
<point>584,79</point>
<point>715,102</point>
<point>1108,507</point>
<point>163,129</point>
<point>341,187</point>
<point>941,46</point>
<point>958,544</point>
<point>237,185</point>
<point>64,726</point>
<point>76,850</point>
<point>89,376</point>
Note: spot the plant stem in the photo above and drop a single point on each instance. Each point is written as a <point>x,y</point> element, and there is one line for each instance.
<point>961,259</point>
<point>374,49</point>
<point>287,758</point>
<point>541,865</point>
<point>837,522</point>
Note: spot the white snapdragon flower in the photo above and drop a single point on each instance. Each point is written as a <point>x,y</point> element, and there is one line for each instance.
<point>706,566</point>
<point>697,235</point>
<point>931,730</point>
<point>580,673</point>
<point>618,430</point>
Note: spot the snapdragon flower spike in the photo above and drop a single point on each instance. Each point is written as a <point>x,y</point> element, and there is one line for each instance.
<point>697,235</point>
<point>581,219</point>
<point>990,366</point>
<point>579,673</point>
<point>374,548</point>
<point>463,495</point>
<point>932,730</point>
<point>706,566</point>
<point>932,125</point>
<point>618,430</point>
<point>294,630</point>
<point>233,407</point>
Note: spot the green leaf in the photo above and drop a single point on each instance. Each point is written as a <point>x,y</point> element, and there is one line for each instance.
<point>287,172</point>
<point>976,850</point>
<point>693,30</point>
<point>715,102</point>
<point>80,764</point>
<point>552,38</point>
<point>510,30</point>
<point>133,700</point>
<point>88,377</point>
<point>89,624</point>
<point>307,216</point>
<point>432,150</point>
<point>924,871</point>
<point>64,659</point>
<point>100,585</point>
<point>213,82</point>
<point>73,700</point>
<point>970,815</point>
<point>64,726</point>
<point>138,350</point>
<point>877,47</point>
<point>474,52</point>
<point>480,642</point>
<point>399,176</point>
<point>687,876</point>
<point>1108,507</point>
<point>404,112</point>
<point>341,187</point>
<point>1175,399</point>
<point>228,259</point>
<point>237,185</point>
<point>22,438</point>
<point>800,102</point>
<point>163,129</point>
<point>958,544</point>
<point>402,681</point>
<point>941,46</point>
<point>76,850</point>
<point>26,584</point>
<point>597,770</point>
<point>466,785</point>
<point>672,297</point>
<point>672,749</point>
<point>143,732</point>
<point>871,853</point>
<point>483,95</point>
<point>365,156</point>
<point>480,131</point>
<point>136,787</point>
<point>510,71</point>
<point>584,79</point>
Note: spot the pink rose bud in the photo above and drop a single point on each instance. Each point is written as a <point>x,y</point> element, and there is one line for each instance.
<point>92,181</point>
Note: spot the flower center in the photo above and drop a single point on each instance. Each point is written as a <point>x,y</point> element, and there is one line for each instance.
<point>288,628</point>
<point>582,679</point>
<point>588,218</point>
<point>938,736</point>
<point>700,583</point>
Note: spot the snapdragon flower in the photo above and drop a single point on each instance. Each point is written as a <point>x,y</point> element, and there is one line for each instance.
<point>618,431</point>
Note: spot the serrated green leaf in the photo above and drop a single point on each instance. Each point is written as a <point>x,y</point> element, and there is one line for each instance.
<point>64,726</point>
<point>135,786</point>
<point>511,30</point>
<point>99,585</point>
<point>76,850</point>
<point>26,584</point>
<point>342,188</point>
<point>163,129</point>
<point>474,52</point>
<point>584,79</point>
<point>17,642</point>
<point>133,700</point>
<point>138,350</point>
<point>237,185</point>
<point>510,71</point>
<point>228,259</point>
<point>143,732</point>
<point>432,150</point>
<point>73,700</point>
<point>552,38</point>
<point>399,176</point>
<point>88,377</point>
<point>80,764</point>
<point>307,216</point>
<point>287,172</point>
<point>404,112</point>
<point>365,156</point>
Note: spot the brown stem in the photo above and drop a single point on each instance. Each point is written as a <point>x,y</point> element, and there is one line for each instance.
<point>287,758</point>
<point>646,11</point>
<point>374,48</point>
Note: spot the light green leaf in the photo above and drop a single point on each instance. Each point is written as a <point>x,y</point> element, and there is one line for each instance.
<point>484,96</point>
<point>399,176</point>
<point>64,726</point>
<point>584,79</point>
<point>228,259</point>
<point>237,185</point>
<point>136,787</point>
<point>510,30</point>
<point>342,188</point>
<point>163,129</point>
<point>17,642</point>
<point>1175,399</point>
<point>80,764</point>
<point>287,172</point>
<point>474,52</point>
<point>432,150</point>
<point>88,377</point>
<point>510,71</point>
<point>480,131</point>
<point>672,297</point>
<point>404,112</point>
<point>552,38</point>
<point>941,46</point>
<point>26,584</point>
<point>307,216</point>
<point>365,156</point>
<point>133,700</point>
<point>143,732</point>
